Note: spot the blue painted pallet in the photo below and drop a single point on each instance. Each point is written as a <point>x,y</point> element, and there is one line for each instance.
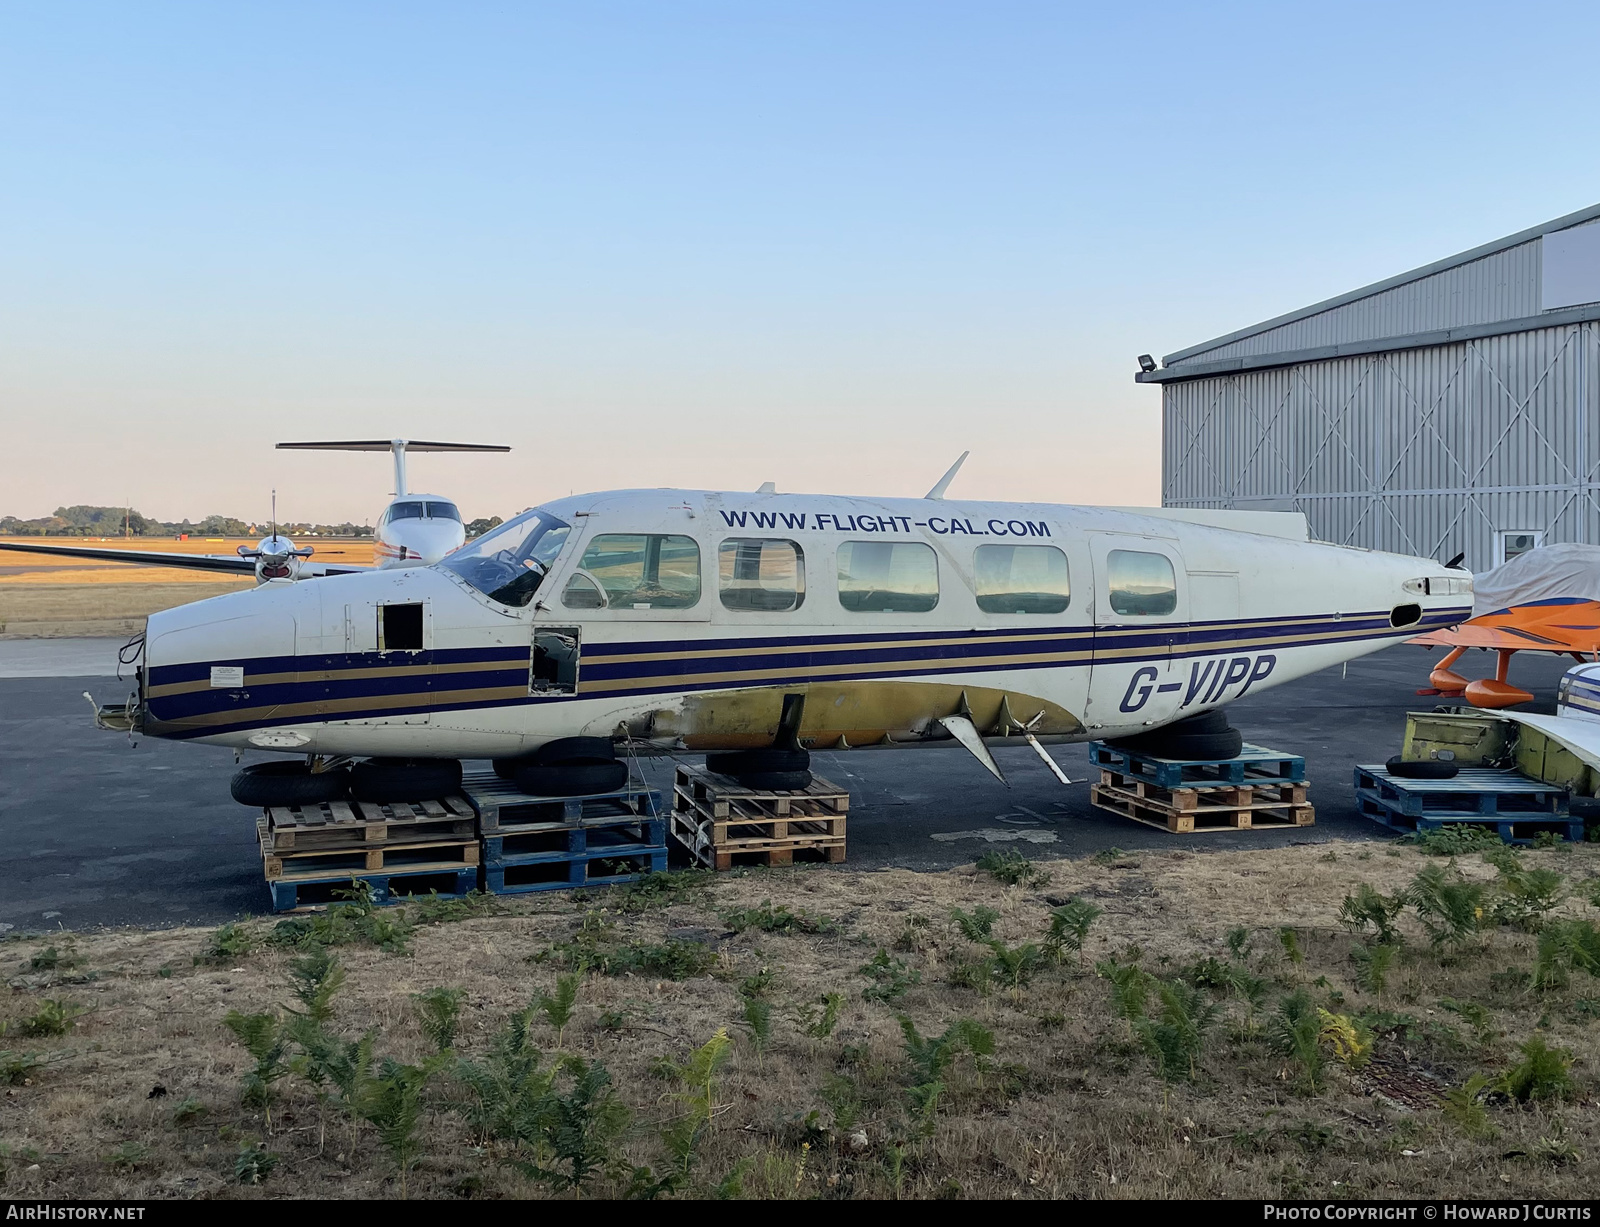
<point>597,868</point>
<point>532,847</point>
<point>1512,828</point>
<point>387,888</point>
<point>501,806</point>
<point>1473,792</point>
<point>1252,765</point>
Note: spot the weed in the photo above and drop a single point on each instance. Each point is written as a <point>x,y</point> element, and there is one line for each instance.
<point>1050,1020</point>
<point>843,1099</point>
<point>1173,1037</point>
<point>232,941</point>
<point>1450,907</point>
<point>1239,943</point>
<point>1296,1032</point>
<point>264,1038</point>
<point>1527,895</point>
<point>1012,868</point>
<point>15,1067</point>
<point>51,959</point>
<point>1541,1074</point>
<point>1461,839</point>
<point>820,1025</point>
<point>975,974</point>
<point>128,1156</point>
<point>448,909</point>
<point>769,919</point>
<point>14,1154</point>
<point>438,1014</point>
<point>1109,856</point>
<point>1209,973</point>
<point>557,1009</point>
<point>1463,1107</point>
<point>51,1018</point>
<point>890,977</point>
<point>1252,990</point>
<point>1555,1149</point>
<point>977,926</point>
<point>913,933</point>
<point>1369,908</point>
<point>659,888</point>
<point>1069,928</point>
<point>1311,1137</point>
<point>931,1059</point>
<point>1290,941</point>
<point>1564,947</point>
<point>1475,1016</point>
<point>316,978</point>
<point>613,1020</point>
<point>1016,967</point>
<point>670,960</point>
<point>1372,965</point>
<point>1546,839</point>
<point>187,1111</point>
<point>253,1164</point>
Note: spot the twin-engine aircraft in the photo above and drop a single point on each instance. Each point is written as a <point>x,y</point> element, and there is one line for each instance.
<point>414,529</point>
<point>691,620</point>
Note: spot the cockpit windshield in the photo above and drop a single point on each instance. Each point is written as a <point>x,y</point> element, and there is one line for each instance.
<point>509,564</point>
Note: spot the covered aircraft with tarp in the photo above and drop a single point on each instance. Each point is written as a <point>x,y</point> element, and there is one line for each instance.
<point>1547,600</point>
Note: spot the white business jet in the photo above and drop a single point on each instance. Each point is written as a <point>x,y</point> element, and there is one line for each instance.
<point>769,623</point>
<point>414,529</point>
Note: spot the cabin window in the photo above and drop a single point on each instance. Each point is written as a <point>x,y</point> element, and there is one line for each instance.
<point>760,575</point>
<point>582,593</point>
<point>888,577</point>
<point>1022,579</point>
<point>400,628</point>
<point>644,570</point>
<point>1142,584</point>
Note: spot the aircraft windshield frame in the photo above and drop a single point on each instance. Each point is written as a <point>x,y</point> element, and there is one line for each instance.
<point>509,563</point>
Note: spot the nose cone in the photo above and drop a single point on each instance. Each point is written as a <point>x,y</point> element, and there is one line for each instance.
<point>426,541</point>
<point>211,666</point>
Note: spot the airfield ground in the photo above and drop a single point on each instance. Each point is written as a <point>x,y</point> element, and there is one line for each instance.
<point>140,1095</point>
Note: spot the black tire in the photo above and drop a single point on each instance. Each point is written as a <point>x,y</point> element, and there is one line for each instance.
<point>776,781</point>
<point>574,749</point>
<point>1428,769</point>
<point>1213,721</point>
<point>1587,808</point>
<point>746,762</point>
<point>266,784</point>
<point>571,779</point>
<point>507,768</point>
<point>1202,746</point>
<point>404,779</point>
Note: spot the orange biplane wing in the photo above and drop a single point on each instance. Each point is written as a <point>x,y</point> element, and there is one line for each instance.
<point>1569,625</point>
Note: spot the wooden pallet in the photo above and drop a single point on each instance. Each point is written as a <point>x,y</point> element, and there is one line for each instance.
<point>1236,796</point>
<point>344,824</point>
<point>1204,815</point>
<point>294,895</point>
<point>523,847</point>
<point>317,864</point>
<point>1473,792</point>
<point>722,823</point>
<point>596,868</point>
<point>1512,828</point>
<point>720,796</point>
<point>1252,765</point>
<point>502,806</point>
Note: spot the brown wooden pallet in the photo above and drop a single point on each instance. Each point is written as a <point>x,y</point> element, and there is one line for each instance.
<point>1229,796</point>
<point>1201,821</point>
<point>719,797</point>
<point>345,824</point>
<point>311,864</point>
<point>697,834</point>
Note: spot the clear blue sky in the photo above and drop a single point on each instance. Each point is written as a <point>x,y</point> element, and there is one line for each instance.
<point>712,244</point>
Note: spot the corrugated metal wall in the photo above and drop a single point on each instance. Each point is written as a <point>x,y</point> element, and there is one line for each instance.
<point>1422,451</point>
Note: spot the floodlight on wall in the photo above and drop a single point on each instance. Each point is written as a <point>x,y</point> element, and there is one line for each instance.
<point>1146,363</point>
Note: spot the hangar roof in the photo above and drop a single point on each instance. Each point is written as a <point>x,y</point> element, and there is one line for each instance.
<point>1504,286</point>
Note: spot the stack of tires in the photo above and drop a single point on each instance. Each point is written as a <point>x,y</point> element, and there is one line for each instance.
<point>1206,736</point>
<point>768,769</point>
<point>566,767</point>
<point>372,779</point>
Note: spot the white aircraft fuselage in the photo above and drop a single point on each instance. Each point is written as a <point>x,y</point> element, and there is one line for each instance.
<point>681,619</point>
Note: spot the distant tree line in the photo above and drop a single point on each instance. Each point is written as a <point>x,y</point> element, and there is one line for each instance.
<point>87,521</point>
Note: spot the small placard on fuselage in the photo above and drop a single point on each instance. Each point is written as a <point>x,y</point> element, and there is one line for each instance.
<point>225,677</point>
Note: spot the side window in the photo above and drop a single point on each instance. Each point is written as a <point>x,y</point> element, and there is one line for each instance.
<point>1142,584</point>
<point>888,576</point>
<point>1022,579</point>
<point>582,593</point>
<point>643,570</point>
<point>756,574</point>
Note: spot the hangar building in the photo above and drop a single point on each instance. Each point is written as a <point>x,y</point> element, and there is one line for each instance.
<point>1451,409</point>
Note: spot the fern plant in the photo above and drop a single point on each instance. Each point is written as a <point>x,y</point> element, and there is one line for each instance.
<point>1176,1033</point>
<point>1350,1042</point>
<point>507,1087</point>
<point>1296,1032</point>
<point>1564,947</point>
<point>1289,940</point>
<point>1238,940</point>
<point>394,1105</point>
<point>1450,907</point>
<point>264,1038</point>
<point>316,978</point>
<point>577,1128</point>
<point>1541,1074</point>
<point>1016,966</point>
<point>1069,928</point>
<point>820,1025</point>
<point>976,926</point>
<point>557,1008</point>
<point>696,1098</point>
<point>1372,965</point>
<point>1130,986</point>
<point>1463,1107</point>
<point>1527,895</point>
<point>930,1060</point>
<point>1369,908</point>
<point>439,1013</point>
<point>1250,989</point>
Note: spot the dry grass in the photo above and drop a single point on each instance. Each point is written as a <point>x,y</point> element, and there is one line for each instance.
<point>44,596</point>
<point>1069,1105</point>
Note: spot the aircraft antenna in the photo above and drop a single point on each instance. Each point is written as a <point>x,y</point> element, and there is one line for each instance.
<point>943,483</point>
